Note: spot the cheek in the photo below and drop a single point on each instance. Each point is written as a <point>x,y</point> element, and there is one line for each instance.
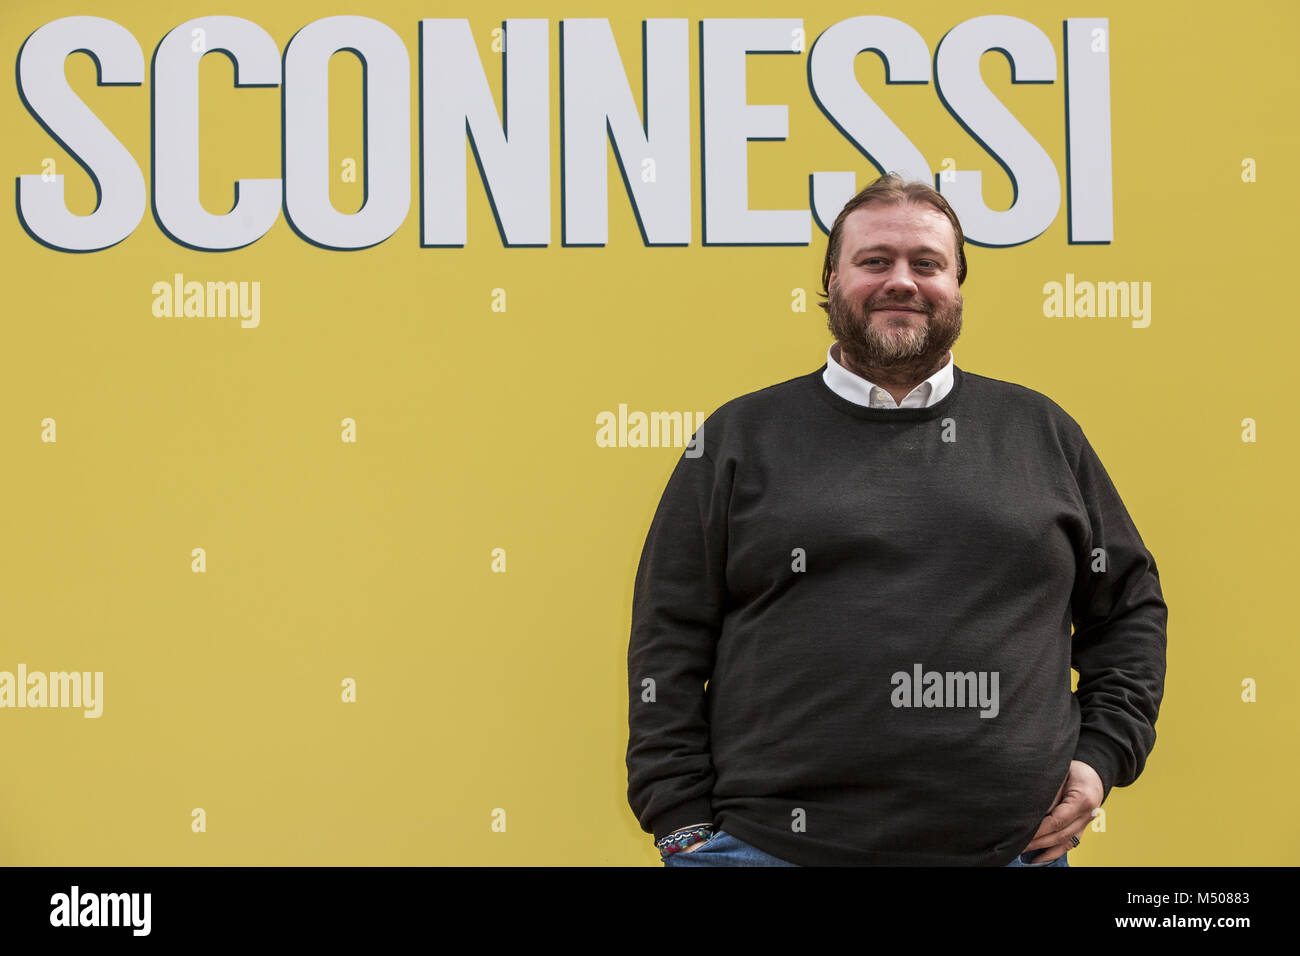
<point>941,293</point>
<point>858,289</point>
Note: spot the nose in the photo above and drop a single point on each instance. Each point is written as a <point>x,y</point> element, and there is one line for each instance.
<point>899,283</point>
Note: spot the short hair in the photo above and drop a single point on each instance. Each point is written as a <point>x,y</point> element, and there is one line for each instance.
<point>891,188</point>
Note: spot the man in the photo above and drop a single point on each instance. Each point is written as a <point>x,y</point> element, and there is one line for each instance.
<point>851,629</point>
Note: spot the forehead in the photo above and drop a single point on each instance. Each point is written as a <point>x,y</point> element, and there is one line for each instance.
<point>901,225</point>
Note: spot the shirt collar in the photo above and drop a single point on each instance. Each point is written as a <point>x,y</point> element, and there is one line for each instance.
<point>858,390</point>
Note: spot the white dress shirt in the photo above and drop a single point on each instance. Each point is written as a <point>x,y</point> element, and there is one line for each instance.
<point>858,390</point>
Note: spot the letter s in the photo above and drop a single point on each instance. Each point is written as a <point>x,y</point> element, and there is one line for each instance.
<point>1035,182</point>
<point>43,86</point>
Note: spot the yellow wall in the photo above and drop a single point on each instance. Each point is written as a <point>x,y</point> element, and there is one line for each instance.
<point>372,560</point>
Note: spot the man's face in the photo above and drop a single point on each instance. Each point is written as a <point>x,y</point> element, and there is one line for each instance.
<point>893,298</point>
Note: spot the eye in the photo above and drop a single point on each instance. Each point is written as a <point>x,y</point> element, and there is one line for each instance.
<point>874,260</point>
<point>928,264</point>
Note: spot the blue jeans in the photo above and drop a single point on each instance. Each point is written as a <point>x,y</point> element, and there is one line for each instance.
<point>726,850</point>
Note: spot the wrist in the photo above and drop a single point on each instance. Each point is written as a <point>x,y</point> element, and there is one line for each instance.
<point>679,840</point>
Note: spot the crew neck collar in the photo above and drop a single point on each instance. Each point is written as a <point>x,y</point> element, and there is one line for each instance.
<point>840,403</point>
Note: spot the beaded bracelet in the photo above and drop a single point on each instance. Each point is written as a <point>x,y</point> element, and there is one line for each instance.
<point>676,842</point>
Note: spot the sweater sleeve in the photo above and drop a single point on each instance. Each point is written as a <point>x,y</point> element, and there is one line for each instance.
<point>1120,620</point>
<point>678,605</point>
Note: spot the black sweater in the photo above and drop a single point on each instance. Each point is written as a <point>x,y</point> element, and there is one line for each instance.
<point>880,602</point>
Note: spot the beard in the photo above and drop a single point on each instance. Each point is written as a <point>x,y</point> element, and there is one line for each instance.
<point>887,353</point>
